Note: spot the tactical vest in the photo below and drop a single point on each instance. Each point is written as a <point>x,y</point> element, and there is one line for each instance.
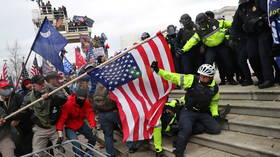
<point>212,28</point>
<point>199,97</point>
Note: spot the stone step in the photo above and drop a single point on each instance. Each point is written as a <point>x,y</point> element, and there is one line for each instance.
<point>193,150</point>
<point>252,107</point>
<point>246,145</point>
<point>241,93</point>
<point>263,126</point>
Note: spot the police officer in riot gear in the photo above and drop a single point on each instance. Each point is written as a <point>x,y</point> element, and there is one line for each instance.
<point>253,20</point>
<point>201,103</point>
<point>211,33</point>
<point>191,61</point>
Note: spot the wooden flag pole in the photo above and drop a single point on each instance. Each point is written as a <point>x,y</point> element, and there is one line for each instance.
<point>81,76</point>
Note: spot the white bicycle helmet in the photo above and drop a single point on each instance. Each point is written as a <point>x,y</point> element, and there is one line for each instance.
<point>206,70</point>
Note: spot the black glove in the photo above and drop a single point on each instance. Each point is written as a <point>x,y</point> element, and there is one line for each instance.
<point>154,66</point>
<point>179,51</point>
<point>276,50</point>
<point>59,140</point>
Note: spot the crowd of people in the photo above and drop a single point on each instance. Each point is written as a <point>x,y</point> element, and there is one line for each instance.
<point>197,48</point>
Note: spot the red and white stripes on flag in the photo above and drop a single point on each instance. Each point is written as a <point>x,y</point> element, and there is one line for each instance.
<point>34,70</point>
<point>140,102</point>
<point>4,75</point>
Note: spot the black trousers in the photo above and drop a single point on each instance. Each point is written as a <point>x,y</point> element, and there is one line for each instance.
<point>259,48</point>
<point>191,61</point>
<point>221,55</point>
<point>193,123</point>
<point>242,57</point>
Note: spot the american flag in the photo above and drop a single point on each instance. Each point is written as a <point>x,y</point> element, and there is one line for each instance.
<point>4,75</point>
<point>141,93</point>
<point>25,74</point>
<point>35,67</point>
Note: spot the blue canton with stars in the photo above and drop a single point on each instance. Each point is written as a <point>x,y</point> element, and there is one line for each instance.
<point>117,73</point>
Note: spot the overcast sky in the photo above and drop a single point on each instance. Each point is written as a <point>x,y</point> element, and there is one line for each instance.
<point>115,18</point>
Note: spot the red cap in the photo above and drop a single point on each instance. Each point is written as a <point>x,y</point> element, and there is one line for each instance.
<point>4,83</point>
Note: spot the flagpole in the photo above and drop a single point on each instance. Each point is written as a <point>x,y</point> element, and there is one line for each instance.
<point>29,53</point>
<point>81,76</point>
<point>18,79</point>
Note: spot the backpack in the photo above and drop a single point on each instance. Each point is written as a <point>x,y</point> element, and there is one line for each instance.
<point>101,99</point>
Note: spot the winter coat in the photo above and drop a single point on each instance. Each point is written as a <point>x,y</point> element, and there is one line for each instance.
<point>102,101</point>
<point>72,115</point>
<point>14,105</point>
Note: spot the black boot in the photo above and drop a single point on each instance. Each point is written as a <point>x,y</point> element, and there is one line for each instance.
<point>266,84</point>
<point>159,154</point>
<point>232,82</point>
<point>247,83</point>
<point>223,82</point>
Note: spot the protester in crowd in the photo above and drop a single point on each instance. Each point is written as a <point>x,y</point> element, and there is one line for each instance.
<point>9,103</point>
<point>26,87</point>
<point>23,144</point>
<point>214,41</point>
<point>251,17</point>
<point>72,117</point>
<point>190,61</point>
<point>168,124</point>
<point>108,116</point>
<point>45,113</point>
<point>201,99</point>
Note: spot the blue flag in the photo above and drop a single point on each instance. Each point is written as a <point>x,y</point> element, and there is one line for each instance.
<point>48,43</point>
<point>67,66</point>
<point>118,72</point>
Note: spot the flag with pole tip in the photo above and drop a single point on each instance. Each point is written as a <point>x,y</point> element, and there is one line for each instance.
<point>48,43</point>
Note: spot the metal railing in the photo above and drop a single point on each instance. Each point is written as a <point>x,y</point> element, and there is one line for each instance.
<point>66,150</point>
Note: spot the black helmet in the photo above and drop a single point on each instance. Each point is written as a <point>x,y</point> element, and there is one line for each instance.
<point>171,30</point>
<point>210,14</point>
<point>186,21</point>
<point>201,20</point>
<point>185,18</point>
<point>145,35</point>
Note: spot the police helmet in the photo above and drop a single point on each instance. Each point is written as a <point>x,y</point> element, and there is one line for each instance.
<point>206,70</point>
<point>171,30</point>
<point>210,14</point>
<point>201,19</point>
<point>185,18</point>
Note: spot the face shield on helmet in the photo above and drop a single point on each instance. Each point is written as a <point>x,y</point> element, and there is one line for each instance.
<point>202,20</point>
<point>171,30</point>
<point>186,21</point>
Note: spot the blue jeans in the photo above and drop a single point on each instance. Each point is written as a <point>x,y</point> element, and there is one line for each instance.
<point>193,123</point>
<point>108,120</point>
<point>84,130</point>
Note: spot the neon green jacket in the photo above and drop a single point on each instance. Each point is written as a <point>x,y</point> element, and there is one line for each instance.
<point>212,39</point>
<point>186,81</point>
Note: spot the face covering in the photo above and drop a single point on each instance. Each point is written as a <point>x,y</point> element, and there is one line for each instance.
<point>80,102</point>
